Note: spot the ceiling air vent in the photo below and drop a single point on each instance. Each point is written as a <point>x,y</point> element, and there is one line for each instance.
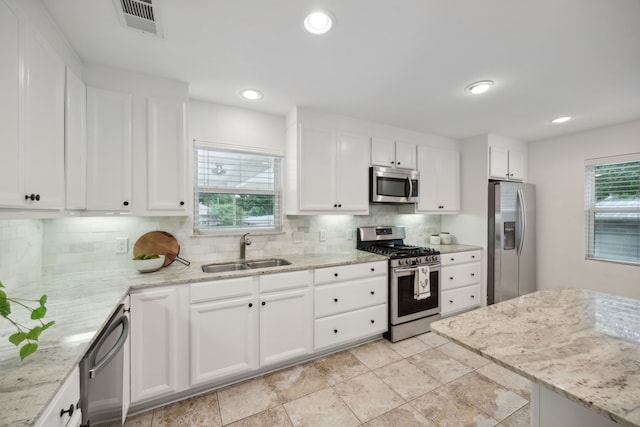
<point>140,15</point>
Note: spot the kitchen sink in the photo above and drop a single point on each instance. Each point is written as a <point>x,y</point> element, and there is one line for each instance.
<point>263,263</point>
<point>248,265</point>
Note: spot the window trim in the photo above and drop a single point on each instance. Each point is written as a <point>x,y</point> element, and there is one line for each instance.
<point>590,210</point>
<point>277,228</point>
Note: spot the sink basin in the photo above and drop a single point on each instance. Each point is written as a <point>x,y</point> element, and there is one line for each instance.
<point>221,268</point>
<point>263,263</point>
<point>235,266</point>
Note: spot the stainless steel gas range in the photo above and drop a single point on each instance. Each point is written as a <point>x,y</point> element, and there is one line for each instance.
<point>414,280</point>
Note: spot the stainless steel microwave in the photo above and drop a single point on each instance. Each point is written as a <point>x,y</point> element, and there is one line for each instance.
<point>388,185</point>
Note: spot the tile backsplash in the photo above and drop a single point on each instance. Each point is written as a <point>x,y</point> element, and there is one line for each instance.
<point>30,248</point>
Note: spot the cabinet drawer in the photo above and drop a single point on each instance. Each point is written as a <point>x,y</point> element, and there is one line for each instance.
<point>348,272</point>
<point>68,395</point>
<point>460,299</point>
<point>460,257</point>
<point>342,328</point>
<point>282,281</point>
<point>352,295</point>
<point>459,275</point>
<point>219,289</point>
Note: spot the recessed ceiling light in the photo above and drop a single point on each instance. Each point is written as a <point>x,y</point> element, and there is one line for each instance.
<point>561,119</point>
<point>251,94</point>
<point>479,87</point>
<point>318,22</point>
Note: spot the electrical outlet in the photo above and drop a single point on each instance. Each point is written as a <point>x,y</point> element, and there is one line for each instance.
<point>348,234</point>
<point>323,235</point>
<point>122,245</point>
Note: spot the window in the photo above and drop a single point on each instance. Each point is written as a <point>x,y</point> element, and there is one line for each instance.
<point>612,209</point>
<point>236,191</point>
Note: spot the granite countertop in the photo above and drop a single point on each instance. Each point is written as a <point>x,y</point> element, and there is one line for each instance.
<point>581,344</point>
<point>81,303</point>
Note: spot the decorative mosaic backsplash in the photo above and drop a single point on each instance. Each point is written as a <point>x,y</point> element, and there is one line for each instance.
<point>29,248</point>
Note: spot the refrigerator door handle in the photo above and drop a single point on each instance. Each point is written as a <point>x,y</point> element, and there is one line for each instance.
<point>523,220</point>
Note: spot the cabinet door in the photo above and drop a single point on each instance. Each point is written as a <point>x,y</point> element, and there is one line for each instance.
<point>516,165</point>
<point>498,163</point>
<point>43,160</point>
<point>317,169</point>
<point>166,155</point>
<point>68,395</point>
<point>224,339</point>
<point>159,334</point>
<point>449,180</point>
<point>108,150</point>
<point>352,174</point>
<point>11,191</point>
<point>286,325</point>
<point>383,152</point>
<point>76,142</point>
<point>406,155</point>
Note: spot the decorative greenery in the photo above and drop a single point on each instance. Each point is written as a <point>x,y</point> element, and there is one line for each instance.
<point>26,335</point>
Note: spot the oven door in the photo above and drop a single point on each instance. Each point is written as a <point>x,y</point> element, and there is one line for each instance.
<point>403,305</point>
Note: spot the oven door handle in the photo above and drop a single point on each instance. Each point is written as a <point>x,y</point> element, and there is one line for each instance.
<point>96,367</point>
<point>411,269</point>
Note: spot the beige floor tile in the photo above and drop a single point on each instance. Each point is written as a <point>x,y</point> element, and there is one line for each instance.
<point>506,378</point>
<point>444,409</point>
<point>432,340</point>
<point>274,417</point>
<point>520,418</point>
<point>486,395</point>
<point>246,398</point>
<point>406,379</point>
<point>297,381</point>
<point>464,356</point>
<point>409,347</point>
<point>322,408</point>
<point>368,396</point>
<point>197,411</point>
<point>438,365</point>
<point>340,366</point>
<point>376,354</point>
<point>404,416</point>
<point>140,420</point>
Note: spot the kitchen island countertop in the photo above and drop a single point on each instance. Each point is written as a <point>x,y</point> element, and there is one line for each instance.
<point>580,344</point>
<point>81,304</point>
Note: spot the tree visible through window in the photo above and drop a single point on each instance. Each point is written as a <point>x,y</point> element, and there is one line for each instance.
<point>612,209</point>
<point>236,191</point>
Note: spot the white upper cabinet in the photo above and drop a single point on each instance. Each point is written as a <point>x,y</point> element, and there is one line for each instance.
<point>166,155</point>
<point>439,180</point>
<point>392,154</point>
<point>506,163</point>
<point>109,140</point>
<point>331,168</point>
<point>76,142</point>
<point>32,78</point>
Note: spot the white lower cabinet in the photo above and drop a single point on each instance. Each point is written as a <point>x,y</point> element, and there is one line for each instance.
<point>350,303</point>
<point>62,411</point>
<point>239,325</point>
<point>159,342</point>
<point>460,278</point>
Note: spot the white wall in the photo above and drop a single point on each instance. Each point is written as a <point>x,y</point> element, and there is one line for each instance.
<point>556,166</point>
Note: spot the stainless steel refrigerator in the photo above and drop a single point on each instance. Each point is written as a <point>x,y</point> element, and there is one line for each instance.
<point>512,240</point>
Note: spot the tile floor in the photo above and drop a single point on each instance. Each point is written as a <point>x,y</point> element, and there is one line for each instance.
<point>422,381</point>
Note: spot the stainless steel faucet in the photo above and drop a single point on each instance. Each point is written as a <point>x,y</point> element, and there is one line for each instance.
<point>244,242</point>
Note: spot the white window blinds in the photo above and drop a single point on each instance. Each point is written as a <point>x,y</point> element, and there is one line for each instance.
<point>612,208</point>
<point>236,191</point>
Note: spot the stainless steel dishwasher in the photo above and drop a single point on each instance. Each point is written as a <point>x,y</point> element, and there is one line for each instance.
<point>101,373</point>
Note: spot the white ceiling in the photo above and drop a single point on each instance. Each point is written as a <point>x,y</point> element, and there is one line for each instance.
<point>399,62</point>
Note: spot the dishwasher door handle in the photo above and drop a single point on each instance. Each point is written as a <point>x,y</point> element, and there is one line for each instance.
<point>96,367</point>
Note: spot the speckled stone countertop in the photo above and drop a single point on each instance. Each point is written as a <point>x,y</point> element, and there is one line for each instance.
<point>581,344</point>
<point>81,304</point>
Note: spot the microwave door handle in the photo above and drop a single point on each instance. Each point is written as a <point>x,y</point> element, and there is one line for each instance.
<point>410,187</point>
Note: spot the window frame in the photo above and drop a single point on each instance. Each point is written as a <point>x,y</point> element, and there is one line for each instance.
<point>277,226</point>
<point>591,210</point>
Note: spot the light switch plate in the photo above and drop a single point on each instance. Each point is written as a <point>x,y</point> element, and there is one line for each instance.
<point>323,235</point>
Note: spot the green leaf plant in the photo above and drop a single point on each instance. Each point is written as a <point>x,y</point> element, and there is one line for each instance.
<point>25,335</point>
